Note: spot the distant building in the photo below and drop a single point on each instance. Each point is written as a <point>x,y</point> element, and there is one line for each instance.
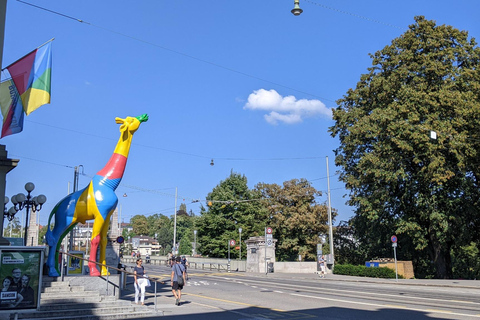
<point>145,245</point>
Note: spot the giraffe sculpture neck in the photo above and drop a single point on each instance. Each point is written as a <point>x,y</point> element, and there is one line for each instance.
<point>112,173</point>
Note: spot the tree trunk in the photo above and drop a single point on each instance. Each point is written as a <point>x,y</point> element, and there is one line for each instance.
<point>442,261</point>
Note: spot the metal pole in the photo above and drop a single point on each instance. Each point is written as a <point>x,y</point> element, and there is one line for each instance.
<point>395,256</point>
<point>27,206</point>
<point>175,224</point>
<point>155,295</point>
<point>330,231</point>
<point>240,243</point>
<point>266,270</point>
<point>75,185</point>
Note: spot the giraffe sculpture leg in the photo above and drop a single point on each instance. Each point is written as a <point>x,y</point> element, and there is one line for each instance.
<point>94,243</point>
<point>103,246</point>
<point>55,236</point>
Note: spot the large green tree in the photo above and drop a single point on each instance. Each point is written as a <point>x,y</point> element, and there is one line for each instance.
<point>140,225</point>
<point>231,205</point>
<point>400,180</point>
<point>295,217</point>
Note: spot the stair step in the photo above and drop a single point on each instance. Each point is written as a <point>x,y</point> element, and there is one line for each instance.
<point>53,305</point>
<point>63,289</point>
<point>60,301</point>
<point>70,313</point>
<point>63,295</point>
<point>131,315</point>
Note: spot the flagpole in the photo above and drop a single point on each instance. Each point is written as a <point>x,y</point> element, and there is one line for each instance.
<point>46,43</point>
<point>28,53</point>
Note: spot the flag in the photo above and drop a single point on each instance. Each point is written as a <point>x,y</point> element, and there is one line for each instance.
<point>32,76</point>
<point>12,109</point>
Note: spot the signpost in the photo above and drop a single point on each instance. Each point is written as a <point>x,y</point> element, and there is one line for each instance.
<point>269,243</point>
<point>230,244</point>
<point>394,245</point>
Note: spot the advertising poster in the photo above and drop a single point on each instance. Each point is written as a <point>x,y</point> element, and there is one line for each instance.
<point>75,264</point>
<point>20,273</point>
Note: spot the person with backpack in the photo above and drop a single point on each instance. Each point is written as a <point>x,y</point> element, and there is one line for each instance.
<point>177,279</point>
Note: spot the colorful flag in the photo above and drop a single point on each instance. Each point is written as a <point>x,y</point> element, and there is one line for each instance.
<point>12,109</point>
<point>32,76</point>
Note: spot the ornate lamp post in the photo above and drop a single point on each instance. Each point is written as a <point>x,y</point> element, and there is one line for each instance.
<point>28,202</point>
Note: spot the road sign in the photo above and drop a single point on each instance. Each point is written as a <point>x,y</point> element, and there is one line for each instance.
<point>269,242</point>
<point>232,242</point>
<point>269,230</point>
<point>394,244</point>
<point>394,239</point>
<point>269,236</point>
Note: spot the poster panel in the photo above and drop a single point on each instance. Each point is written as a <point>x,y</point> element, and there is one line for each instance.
<point>75,264</point>
<point>20,276</point>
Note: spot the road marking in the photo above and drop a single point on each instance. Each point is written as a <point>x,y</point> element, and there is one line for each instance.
<point>353,293</point>
<point>383,305</point>
<point>233,302</point>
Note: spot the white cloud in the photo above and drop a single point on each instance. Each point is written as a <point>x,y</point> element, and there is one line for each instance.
<point>285,109</point>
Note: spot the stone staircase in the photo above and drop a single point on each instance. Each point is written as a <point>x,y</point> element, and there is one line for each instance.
<point>60,300</point>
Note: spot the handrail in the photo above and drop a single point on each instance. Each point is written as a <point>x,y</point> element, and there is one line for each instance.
<point>155,280</point>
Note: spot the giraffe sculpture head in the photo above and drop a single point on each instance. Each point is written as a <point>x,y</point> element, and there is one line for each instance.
<point>131,124</point>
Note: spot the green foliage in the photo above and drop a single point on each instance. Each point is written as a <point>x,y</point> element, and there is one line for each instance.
<point>363,271</point>
<point>295,217</point>
<point>233,205</point>
<point>41,234</point>
<point>140,225</point>
<point>347,249</point>
<point>466,262</point>
<point>13,229</point>
<point>185,246</point>
<point>400,181</point>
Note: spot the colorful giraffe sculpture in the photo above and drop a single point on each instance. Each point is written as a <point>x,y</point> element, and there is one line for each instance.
<point>96,201</point>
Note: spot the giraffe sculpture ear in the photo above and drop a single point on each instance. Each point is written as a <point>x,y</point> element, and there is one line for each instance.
<point>124,125</point>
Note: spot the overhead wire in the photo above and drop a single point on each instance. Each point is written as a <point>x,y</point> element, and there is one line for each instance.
<point>177,52</point>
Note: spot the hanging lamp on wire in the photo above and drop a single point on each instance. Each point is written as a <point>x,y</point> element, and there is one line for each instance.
<point>296,9</point>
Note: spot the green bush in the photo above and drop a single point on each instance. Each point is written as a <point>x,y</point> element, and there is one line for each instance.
<point>363,271</point>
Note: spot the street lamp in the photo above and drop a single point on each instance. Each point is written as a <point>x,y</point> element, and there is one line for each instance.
<point>195,243</point>
<point>240,242</point>
<point>296,10</point>
<point>28,202</point>
<point>10,213</point>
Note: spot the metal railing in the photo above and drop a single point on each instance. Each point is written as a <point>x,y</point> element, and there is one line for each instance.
<point>191,265</point>
<point>123,274</point>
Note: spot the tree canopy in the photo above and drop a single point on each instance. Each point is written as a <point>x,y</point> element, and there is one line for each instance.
<point>295,217</point>
<point>400,180</point>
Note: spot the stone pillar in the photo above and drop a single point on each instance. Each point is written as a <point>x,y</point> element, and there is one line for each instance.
<point>256,254</point>
<point>112,255</point>
<point>32,231</point>
<point>5,166</point>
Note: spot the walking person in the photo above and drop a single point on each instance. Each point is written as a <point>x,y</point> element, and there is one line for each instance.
<point>185,265</point>
<point>178,280</point>
<point>140,282</point>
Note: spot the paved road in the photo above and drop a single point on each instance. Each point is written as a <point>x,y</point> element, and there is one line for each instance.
<point>213,295</point>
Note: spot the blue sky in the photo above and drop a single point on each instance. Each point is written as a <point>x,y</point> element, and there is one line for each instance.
<point>244,83</point>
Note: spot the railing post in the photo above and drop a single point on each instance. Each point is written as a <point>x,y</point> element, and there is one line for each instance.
<point>155,295</point>
<point>107,280</point>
